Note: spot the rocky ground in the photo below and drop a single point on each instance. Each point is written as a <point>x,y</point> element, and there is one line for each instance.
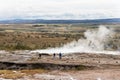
<point>101,66</point>
<point>112,74</point>
<point>74,59</point>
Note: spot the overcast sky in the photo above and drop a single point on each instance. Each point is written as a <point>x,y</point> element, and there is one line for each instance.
<point>59,9</point>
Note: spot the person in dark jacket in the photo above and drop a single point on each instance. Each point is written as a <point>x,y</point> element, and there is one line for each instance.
<point>40,55</point>
<point>60,55</point>
<point>54,55</point>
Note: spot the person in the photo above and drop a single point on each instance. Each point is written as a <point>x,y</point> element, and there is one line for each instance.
<point>54,56</point>
<point>40,56</point>
<point>60,55</point>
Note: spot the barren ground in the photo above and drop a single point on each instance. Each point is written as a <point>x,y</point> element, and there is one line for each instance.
<point>105,67</point>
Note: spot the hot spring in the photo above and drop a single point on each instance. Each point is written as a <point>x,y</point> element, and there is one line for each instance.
<point>96,41</point>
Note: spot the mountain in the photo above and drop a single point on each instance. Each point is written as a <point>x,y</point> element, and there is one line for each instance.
<point>42,21</point>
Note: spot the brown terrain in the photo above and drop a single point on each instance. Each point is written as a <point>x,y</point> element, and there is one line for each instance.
<point>77,66</point>
<point>18,63</point>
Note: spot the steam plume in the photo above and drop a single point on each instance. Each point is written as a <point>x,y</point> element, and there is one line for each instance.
<point>96,41</point>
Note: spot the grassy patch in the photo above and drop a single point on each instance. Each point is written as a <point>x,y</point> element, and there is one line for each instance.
<point>10,74</point>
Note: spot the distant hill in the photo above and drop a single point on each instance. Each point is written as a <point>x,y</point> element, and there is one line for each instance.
<point>27,21</point>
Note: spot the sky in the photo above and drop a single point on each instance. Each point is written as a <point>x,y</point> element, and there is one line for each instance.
<point>59,9</point>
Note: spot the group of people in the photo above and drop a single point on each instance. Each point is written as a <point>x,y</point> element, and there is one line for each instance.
<point>54,55</point>
<point>60,56</point>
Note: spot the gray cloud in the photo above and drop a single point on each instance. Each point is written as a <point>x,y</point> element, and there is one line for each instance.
<point>57,9</point>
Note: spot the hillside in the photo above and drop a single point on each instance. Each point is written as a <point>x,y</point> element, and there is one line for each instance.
<point>35,21</point>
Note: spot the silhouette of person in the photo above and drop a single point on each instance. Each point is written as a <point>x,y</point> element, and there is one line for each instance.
<point>54,56</point>
<point>60,55</point>
<point>40,56</point>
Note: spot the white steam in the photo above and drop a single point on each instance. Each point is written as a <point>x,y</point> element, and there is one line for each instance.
<point>96,41</point>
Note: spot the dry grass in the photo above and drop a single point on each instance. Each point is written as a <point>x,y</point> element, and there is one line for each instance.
<point>28,41</point>
<point>41,36</point>
<point>31,72</point>
<point>10,74</point>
